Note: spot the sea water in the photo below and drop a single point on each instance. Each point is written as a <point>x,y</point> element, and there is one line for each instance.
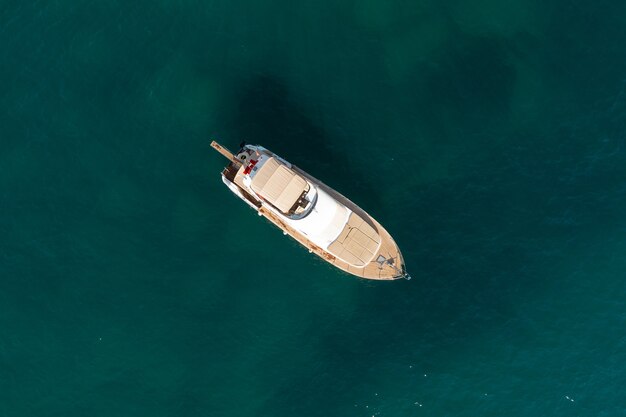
<point>487,137</point>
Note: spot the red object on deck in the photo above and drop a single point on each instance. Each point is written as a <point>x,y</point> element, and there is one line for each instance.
<point>251,165</point>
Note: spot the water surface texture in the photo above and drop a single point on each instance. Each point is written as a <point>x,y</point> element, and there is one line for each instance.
<point>488,137</point>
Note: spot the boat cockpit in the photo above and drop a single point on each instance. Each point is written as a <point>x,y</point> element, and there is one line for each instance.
<point>272,179</point>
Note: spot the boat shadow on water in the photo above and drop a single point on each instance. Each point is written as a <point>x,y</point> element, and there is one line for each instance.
<point>268,112</point>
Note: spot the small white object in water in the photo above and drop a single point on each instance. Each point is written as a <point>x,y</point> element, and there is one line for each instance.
<point>571,399</point>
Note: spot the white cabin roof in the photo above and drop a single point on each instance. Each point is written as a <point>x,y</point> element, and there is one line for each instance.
<point>325,221</point>
<point>339,230</point>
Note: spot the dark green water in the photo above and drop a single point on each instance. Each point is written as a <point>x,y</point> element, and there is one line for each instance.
<point>488,137</point>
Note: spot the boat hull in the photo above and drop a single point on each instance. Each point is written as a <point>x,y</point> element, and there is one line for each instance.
<point>386,264</point>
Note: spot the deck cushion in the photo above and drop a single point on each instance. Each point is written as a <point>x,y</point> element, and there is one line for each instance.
<point>278,184</point>
<point>357,243</point>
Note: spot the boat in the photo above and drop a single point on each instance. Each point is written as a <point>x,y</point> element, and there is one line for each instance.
<point>315,215</point>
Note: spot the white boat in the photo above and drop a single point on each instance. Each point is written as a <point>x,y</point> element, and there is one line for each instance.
<point>318,217</point>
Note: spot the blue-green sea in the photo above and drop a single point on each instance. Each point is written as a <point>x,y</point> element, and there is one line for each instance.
<point>487,136</point>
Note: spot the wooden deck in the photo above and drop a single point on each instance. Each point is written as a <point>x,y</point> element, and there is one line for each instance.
<point>388,247</point>
<point>373,269</point>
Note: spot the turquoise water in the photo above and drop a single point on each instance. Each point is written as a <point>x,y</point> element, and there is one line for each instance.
<point>488,137</point>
